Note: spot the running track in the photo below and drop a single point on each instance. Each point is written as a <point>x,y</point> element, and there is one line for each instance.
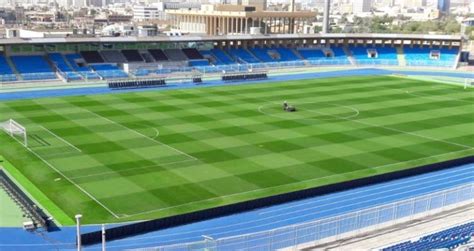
<point>258,220</point>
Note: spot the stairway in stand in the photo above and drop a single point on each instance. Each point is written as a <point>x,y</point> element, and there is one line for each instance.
<point>349,56</point>
<point>401,57</point>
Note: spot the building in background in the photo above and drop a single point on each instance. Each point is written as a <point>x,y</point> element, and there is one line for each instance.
<point>361,6</point>
<point>444,5</point>
<point>248,17</point>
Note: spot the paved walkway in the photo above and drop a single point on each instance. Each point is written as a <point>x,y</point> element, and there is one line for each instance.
<point>403,232</point>
<point>12,216</point>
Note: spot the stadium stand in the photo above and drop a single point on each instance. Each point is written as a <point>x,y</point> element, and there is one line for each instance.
<point>374,55</point>
<point>212,59</point>
<point>242,55</point>
<point>449,238</point>
<point>147,57</point>
<point>65,70</point>
<point>132,56</point>
<point>158,55</point>
<point>192,53</point>
<point>443,57</point>
<point>286,54</point>
<point>175,55</point>
<point>79,64</point>
<point>113,56</point>
<point>324,55</point>
<point>199,62</point>
<point>6,72</point>
<point>222,56</point>
<point>109,71</point>
<point>92,57</point>
<point>33,67</point>
<point>262,54</point>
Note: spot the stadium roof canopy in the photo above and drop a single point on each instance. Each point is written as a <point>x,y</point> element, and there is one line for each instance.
<point>197,38</point>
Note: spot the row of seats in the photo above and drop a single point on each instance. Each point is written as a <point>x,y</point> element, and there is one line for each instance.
<point>245,76</point>
<point>77,66</point>
<point>136,83</point>
<point>449,238</point>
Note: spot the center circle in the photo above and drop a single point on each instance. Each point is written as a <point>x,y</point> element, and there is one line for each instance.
<point>310,111</point>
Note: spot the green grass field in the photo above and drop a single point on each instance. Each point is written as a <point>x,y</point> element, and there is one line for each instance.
<point>144,155</point>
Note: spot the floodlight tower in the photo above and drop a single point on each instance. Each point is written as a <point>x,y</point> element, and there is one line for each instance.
<point>327,6</point>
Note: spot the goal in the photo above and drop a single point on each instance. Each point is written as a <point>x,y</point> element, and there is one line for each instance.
<point>15,130</point>
<point>468,82</point>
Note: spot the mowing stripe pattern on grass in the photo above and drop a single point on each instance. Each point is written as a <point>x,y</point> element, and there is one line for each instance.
<point>152,154</point>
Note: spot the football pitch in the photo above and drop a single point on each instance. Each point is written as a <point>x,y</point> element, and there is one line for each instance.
<point>142,155</point>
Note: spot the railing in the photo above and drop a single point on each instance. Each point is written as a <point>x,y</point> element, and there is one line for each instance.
<point>333,227</point>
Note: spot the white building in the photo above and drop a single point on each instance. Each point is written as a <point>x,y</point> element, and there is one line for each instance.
<point>142,13</point>
<point>361,6</point>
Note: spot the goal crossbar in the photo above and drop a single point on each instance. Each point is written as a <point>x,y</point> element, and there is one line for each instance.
<point>13,128</point>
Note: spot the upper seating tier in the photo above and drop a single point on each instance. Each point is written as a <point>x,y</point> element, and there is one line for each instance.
<point>132,55</point>
<point>113,56</point>
<point>192,53</point>
<point>175,55</point>
<point>158,54</point>
<point>92,57</point>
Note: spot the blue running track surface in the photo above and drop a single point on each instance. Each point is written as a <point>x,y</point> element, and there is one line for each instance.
<point>258,220</point>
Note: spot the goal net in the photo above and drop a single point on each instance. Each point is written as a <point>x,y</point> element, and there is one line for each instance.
<point>15,130</point>
<point>468,82</point>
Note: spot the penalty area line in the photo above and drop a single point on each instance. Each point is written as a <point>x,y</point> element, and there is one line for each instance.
<point>141,134</point>
<point>70,180</point>
<point>61,139</point>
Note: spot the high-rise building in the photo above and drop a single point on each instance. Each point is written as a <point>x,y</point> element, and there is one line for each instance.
<point>443,6</point>
<point>361,6</point>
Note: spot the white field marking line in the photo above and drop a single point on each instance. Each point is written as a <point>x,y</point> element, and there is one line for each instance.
<point>356,113</point>
<point>138,133</point>
<point>156,134</point>
<point>370,195</point>
<point>70,180</point>
<point>130,169</point>
<point>433,97</point>
<point>391,129</point>
<point>295,183</point>
<point>373,125</point>
<point>63,140</point>
<point>291,218</point>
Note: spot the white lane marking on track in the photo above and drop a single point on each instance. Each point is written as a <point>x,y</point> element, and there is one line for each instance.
<point>294,183</point>
<point>61,139</point>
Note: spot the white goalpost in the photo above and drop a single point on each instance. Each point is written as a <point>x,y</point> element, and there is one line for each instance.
<point>16,131</point>
<point>468,82</point>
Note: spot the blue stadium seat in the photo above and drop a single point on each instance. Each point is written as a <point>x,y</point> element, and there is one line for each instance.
<point>222,56</point>
<point>416,56</point>
<point>383,55</point>
<point>198,62</point>
<point>6,73</point>
<point>33,67</point>
<point>64,69</point>
<point>243,56</point>
<point>109,71</point>
<point>84,70</point>
<point>449,238</point>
